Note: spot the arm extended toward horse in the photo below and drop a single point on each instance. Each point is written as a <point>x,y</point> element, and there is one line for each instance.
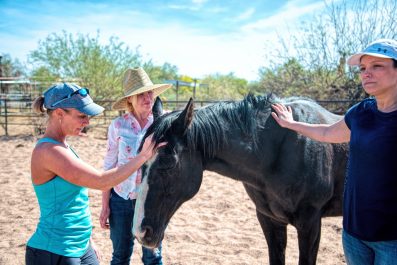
<point>337,132</point>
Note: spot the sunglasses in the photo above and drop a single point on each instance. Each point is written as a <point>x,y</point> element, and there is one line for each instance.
<point>82,92</point>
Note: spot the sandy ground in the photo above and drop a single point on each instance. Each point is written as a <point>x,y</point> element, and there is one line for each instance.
<point>218,226</point>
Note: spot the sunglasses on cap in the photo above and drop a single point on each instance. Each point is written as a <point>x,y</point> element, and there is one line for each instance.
<point>82,92</point>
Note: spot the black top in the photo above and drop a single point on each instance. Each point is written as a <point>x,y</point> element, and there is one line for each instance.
<point>370,199</point>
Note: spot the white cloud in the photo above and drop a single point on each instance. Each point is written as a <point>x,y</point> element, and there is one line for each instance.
<point>289,14</point>
<point>195,53</point>
<point>193,6</point>
<point>199,2</point>
<point>246,14</point>
<point>183,7</point>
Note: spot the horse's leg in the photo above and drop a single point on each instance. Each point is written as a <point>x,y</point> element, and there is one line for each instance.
<point>276,237</point>
<point>309,232</point>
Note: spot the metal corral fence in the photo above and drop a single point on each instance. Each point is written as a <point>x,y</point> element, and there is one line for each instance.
<point>17,117</point>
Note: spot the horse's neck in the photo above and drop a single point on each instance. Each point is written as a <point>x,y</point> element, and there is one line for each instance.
<point>242,155</point>
<point>236,160</point>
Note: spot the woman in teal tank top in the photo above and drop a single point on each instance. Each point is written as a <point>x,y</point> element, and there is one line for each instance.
<point>60,179</point>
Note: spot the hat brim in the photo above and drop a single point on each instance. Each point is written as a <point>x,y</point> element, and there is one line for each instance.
<point>91,109</point>
<point>356,58</point>
<point>121,104</point>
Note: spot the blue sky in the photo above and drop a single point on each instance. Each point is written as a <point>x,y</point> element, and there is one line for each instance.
<point>200,37</point>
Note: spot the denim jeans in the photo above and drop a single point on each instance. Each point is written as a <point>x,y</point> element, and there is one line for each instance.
<point>360,252</point>
<point>34,256</point>
<point>121,221</point>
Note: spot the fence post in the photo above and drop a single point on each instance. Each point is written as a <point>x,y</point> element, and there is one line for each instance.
<point>194,89</point>
<point>177,90</point>
<point>6,115</point>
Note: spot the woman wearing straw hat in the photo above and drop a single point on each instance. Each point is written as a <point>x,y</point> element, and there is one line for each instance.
<point>124,138</point>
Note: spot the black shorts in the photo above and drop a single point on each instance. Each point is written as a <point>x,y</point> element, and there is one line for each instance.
<point>36,256</point>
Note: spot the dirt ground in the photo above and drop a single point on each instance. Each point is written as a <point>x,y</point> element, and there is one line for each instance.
<point>218,226</point>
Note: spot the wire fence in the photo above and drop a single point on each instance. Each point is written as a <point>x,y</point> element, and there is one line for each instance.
<point>17,116</point>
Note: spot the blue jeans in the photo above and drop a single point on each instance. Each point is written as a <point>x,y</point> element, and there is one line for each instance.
<point>121,221</point>
<point>34,256</point>
<point>360,252</point>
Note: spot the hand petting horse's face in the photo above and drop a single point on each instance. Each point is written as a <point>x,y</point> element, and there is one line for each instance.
<point>172,177</point>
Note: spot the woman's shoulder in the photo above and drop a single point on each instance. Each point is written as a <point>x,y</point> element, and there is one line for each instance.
<point>48,149</point>
<point>121,119</point>
<point>360,108</point>
<point>44,156</point>
<point>45,143</point>
<point>365,104</point>
<point>366,101</point>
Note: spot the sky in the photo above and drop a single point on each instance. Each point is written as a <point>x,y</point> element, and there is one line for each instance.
<point>200,37</point>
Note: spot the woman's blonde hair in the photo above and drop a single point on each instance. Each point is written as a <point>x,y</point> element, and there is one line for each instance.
<point>130,105</point>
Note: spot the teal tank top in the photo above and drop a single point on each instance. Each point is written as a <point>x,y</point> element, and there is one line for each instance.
<point>65,225</point>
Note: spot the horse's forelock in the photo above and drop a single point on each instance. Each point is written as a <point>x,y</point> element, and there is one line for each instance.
<point>161,125</point>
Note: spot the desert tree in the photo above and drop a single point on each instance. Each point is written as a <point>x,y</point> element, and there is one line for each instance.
<point>312,59</point>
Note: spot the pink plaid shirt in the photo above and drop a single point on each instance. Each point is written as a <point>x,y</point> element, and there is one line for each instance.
<point>124,137</point>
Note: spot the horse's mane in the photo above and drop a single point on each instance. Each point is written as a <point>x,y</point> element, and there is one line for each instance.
<point>211,124</point>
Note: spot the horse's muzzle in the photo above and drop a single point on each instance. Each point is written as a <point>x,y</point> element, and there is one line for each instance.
<point>147,238</point>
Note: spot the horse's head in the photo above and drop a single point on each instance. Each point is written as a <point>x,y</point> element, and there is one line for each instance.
<point>172,177</point>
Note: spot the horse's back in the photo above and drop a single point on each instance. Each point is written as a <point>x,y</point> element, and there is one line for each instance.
<point>309,111</point>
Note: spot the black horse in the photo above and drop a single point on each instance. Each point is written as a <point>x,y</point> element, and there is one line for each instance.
<point>290,178</point>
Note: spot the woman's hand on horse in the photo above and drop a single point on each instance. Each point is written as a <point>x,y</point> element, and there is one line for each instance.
<point>149,148</point>
<point>282,114</point>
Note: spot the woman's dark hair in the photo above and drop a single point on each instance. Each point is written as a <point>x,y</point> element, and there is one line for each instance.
<point>38,106</point>
<point>394,63</point>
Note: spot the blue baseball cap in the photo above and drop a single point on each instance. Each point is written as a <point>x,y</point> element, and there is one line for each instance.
<point>68,95</point>
<point>383,48</point>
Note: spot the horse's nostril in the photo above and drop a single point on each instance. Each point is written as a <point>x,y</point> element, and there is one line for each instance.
<point>148,232</point>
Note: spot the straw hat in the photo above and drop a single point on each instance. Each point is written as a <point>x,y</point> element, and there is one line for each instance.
<point>136,81</point>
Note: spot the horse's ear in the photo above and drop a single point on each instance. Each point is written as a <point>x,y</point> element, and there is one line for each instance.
<point>157,108</point>
<point>181,124</point>
<point>271,96</point>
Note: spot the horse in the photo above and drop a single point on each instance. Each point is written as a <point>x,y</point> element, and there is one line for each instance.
<point>290,178</point>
